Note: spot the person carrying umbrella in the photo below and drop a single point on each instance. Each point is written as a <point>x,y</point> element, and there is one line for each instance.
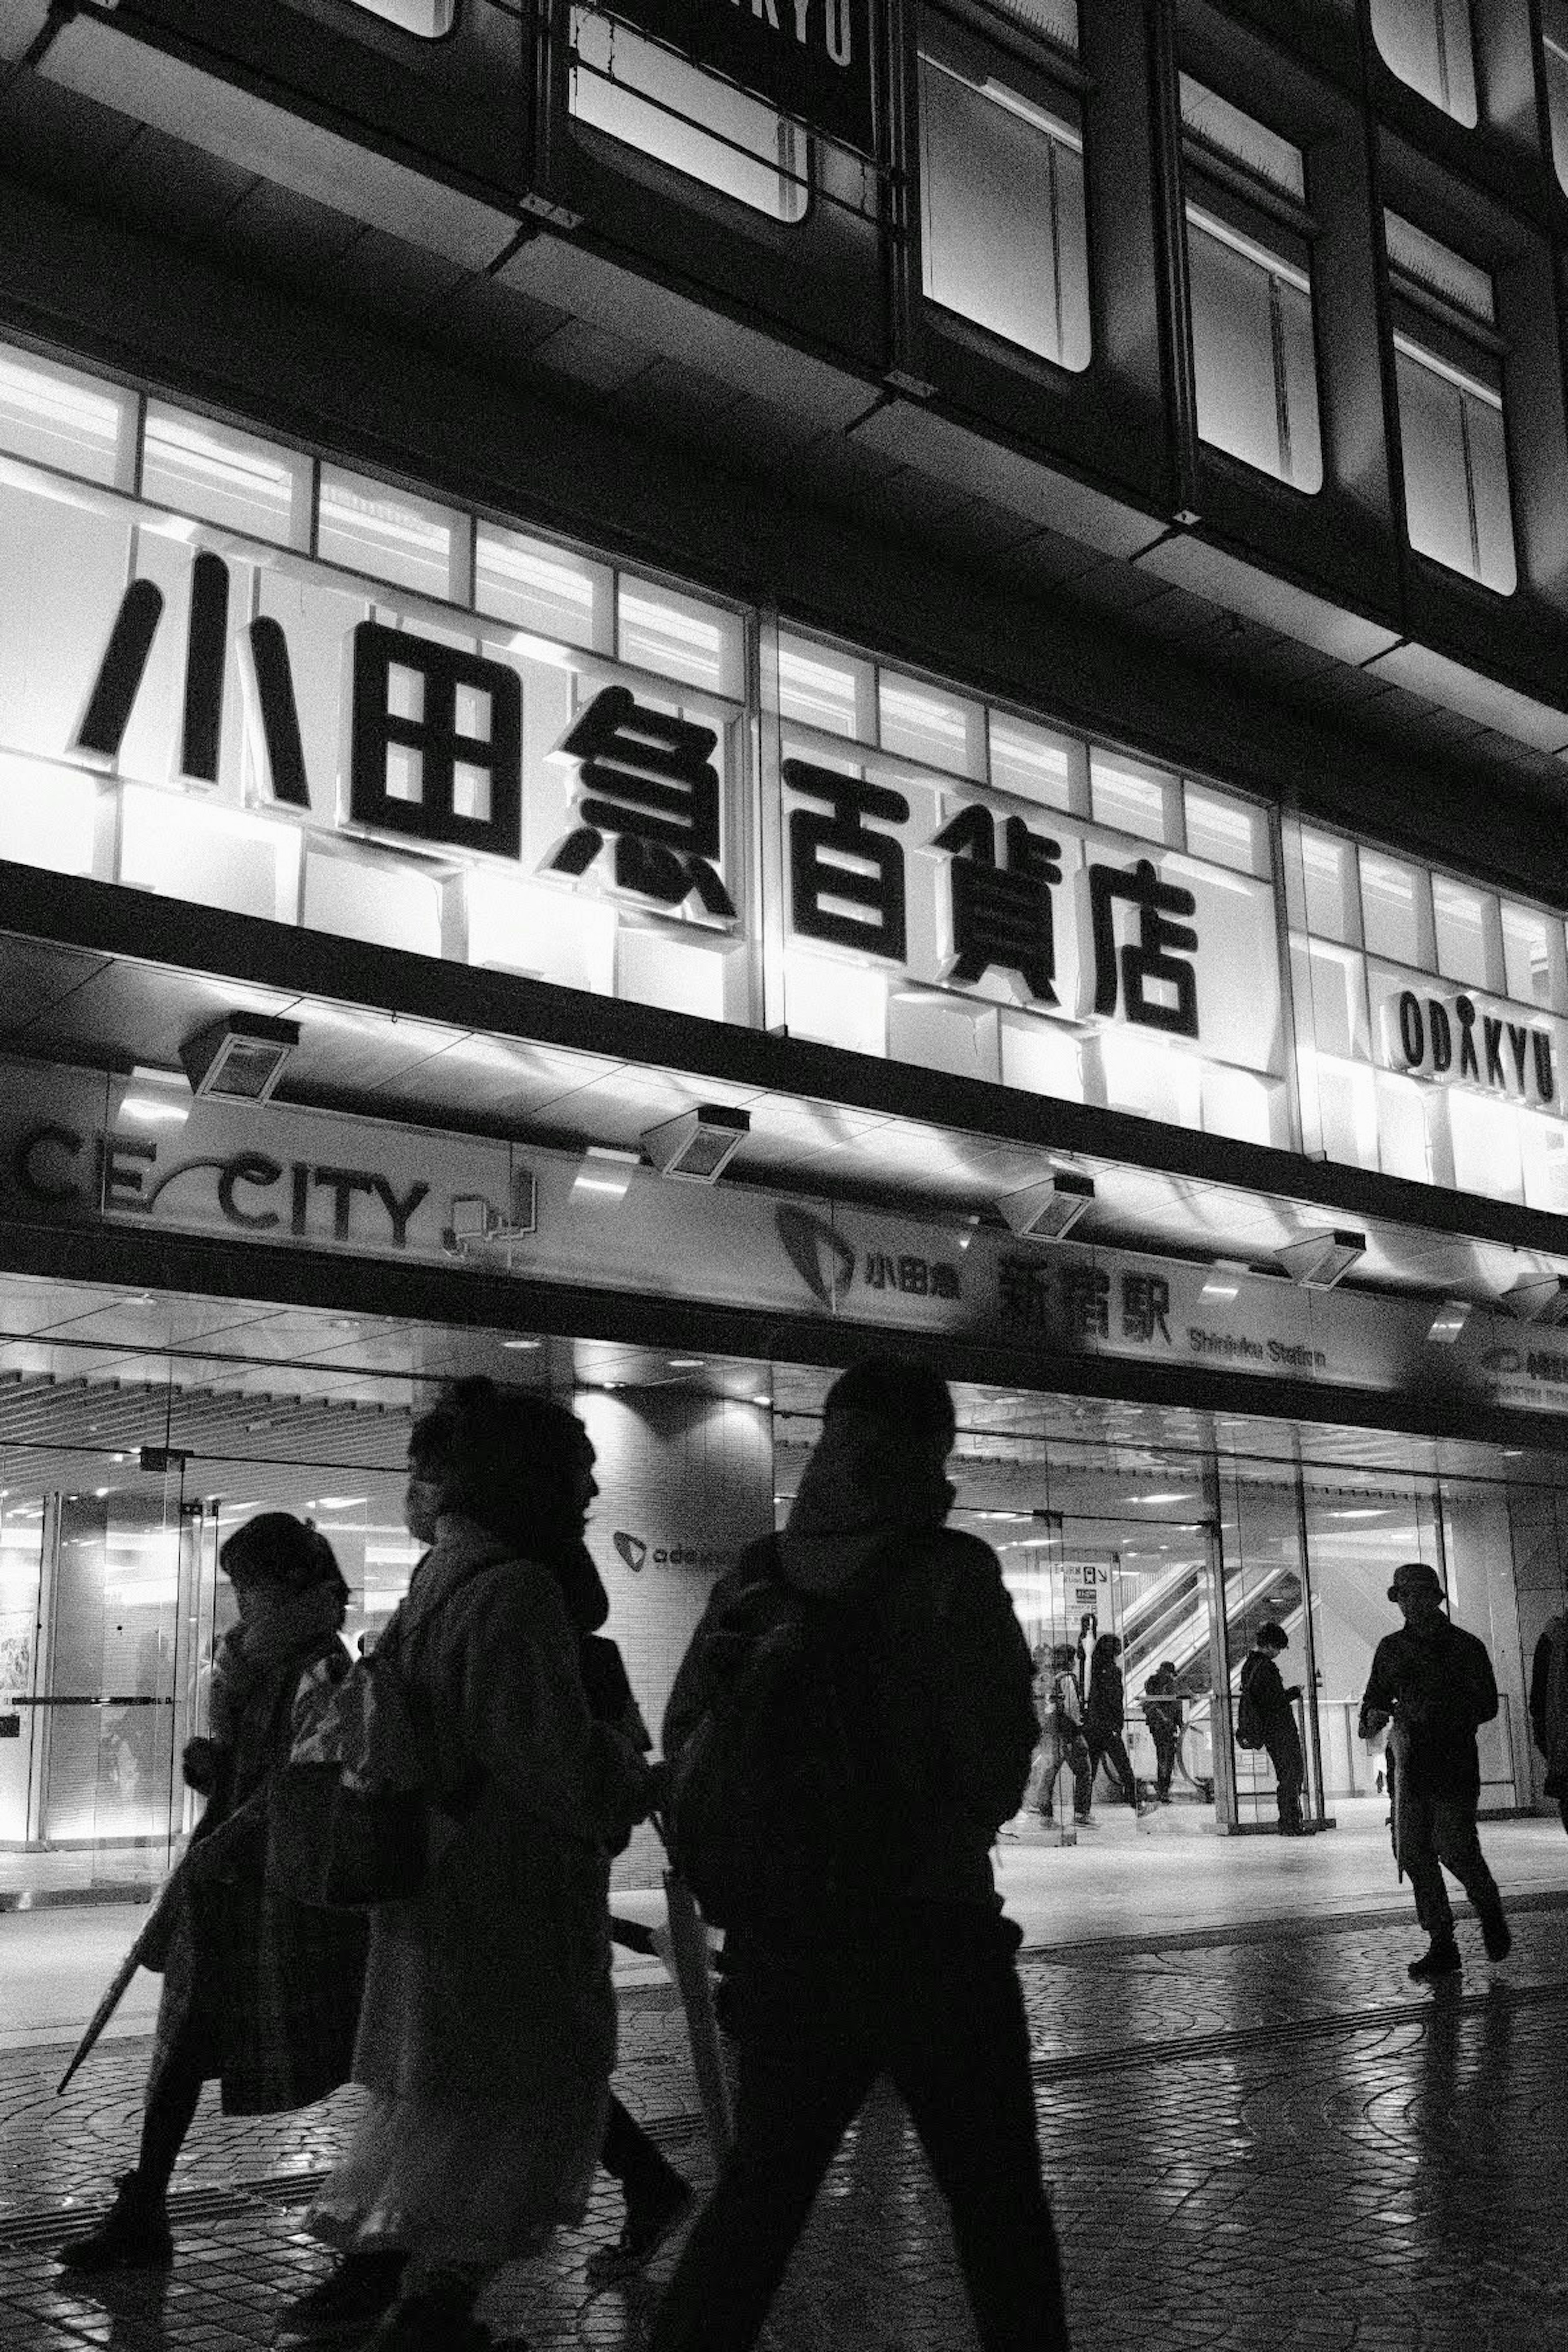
<point>261,1994</point>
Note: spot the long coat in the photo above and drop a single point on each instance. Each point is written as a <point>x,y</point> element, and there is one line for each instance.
<point>269,1988</point>
<point>491,1988</point>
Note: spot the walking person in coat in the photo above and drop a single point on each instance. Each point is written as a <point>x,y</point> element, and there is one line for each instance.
<point>1435,1684</point>
<point>488,2029</point>
<point>1263,1686</point>
<point>1064,1732</point>
<point>657,2197</point>
<point>1549,1707</point>
<point>897,1962</point>
<point>1104,1714</point>
<point>259,1993</point>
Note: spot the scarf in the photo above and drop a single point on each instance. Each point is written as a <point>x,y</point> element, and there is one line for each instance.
<point>256,1664</point>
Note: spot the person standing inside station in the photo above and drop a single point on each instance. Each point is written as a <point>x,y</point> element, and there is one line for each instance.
<point>1271,1703</point>
<point>1104,1716</point>
<point>1433,1683</point>
<point>1162,1713</point>
<point>1549,1707</point>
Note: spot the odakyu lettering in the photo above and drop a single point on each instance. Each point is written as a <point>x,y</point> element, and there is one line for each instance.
<point>1455,1038</point>
<point>811,58</point>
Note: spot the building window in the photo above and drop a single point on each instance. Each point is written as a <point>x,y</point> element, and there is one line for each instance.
<point>1448,368</point>
<point>634,90</point>
<point>1254,360</point>
<point>1554,56</point>
<point>428,19</point>
<point>1001,215</point>
<point>1428,44</point>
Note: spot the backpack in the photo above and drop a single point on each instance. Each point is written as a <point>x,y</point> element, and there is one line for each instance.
<point>1250,1724</point>
<point>774,1813</point>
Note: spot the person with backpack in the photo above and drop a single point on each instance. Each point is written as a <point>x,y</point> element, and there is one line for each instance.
<point>1161,1706</point>
<point>261,1994</point>
<point>852,1726</point>
<point>1549,1707</point>
<point>1104,1714</point>
<point>1266,1719</point>
<point>1067,1729</point>
<point>1434,1683</point>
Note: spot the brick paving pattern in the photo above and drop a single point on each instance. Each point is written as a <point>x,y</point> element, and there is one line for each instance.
<point>1254,2145</point>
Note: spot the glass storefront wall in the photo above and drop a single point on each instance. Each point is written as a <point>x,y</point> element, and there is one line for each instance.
<point>136,1434</point>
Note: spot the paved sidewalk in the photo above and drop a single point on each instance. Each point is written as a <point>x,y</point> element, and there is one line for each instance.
<point>1257,2141</point>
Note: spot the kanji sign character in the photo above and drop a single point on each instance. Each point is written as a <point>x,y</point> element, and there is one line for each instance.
<point>1086,1302</point>
<point>433,728</point>
<point>1151,959</point>
<point>1146,1304</point>
<point>649,778</point>
<point>1023,1293</point>
<point>847,883</point>
<point>1002,914</point>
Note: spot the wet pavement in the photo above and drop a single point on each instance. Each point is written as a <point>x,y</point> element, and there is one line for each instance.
<point>1257,2137</point>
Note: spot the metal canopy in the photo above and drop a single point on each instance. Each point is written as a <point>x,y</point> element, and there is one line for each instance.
<point>62,1003</point>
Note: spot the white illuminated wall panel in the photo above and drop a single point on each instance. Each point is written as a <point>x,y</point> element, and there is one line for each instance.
<point>63,574</point>
<point>839,1003</point>
<point>183,847</point>
<point>48,814</point>
<point>659,967</point>
<point>374,899</point>
<point>547,934</point>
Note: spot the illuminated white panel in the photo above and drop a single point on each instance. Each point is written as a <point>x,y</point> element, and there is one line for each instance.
<point>542,589</point>
<point>1142,1074</point>
<point>1227,831</point>
<point>187,848</point>
<point>1041,1057</point>
<point>680,637</point>
<point>389,534</point>
<point>517,925</point>
<point>921,722</point>
<point>1404,1112</point>
<point>48,814</point>
<point>1544,1150</point>
<point>1485,1137</point>
<point>838,1004</point>
<point>427,20</point>
<point>389,904</point>
<point>684,975</point>
<point>63,419</point>
<point>1140,800</point>
<point>939,1033</point>
<point>1339,1107</point>
<point>1237,1104</point>
<point>1031,763</point>
<point>636,91</point>
<point>821,687</point>
<point>226,476</point>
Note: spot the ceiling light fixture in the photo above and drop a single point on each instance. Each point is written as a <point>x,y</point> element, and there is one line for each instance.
<point>1539,1298</point>
<point>1319,1260</point>
<point>697,1145</point>
<point>1223,1277</point>
<point>1048,1210</point>
<point>239,1058</point>
<point>522,1345</point>
<point>1449,1321</point>
<point>687,1364</point>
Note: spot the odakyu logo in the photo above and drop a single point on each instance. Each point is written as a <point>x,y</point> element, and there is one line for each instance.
<point>819,1255</point>
<point>635,1553</point>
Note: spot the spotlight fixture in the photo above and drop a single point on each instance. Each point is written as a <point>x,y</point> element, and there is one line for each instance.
<point>1319,1260</point>
<point>1223,1277</point>
<point>239,1058</point>
<point>605,1171</point>
<point>1044,1211</point>
<point>697,1145</point>
<point>1539,1299</point>
<point>152,1098</point>
<point>1449,1321</point>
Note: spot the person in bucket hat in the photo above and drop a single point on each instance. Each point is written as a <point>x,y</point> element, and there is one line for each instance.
<point>1434,1683</point>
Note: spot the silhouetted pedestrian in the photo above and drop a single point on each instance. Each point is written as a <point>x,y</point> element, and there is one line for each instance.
<point>261,1994</point>
<point>1263,1689</point>
<point>868,1940</point>
<point>1549,1707</point>
<point>1435,1684</point>
<point>1104,1714</point>
<point>487,2032</point>
<point>1162,1713</point>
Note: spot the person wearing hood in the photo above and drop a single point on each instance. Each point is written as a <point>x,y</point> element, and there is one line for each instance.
<point>1435,1684</point>
<point>905,1970</point>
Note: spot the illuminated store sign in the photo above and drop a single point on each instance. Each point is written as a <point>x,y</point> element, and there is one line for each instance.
<point>811,58</point>
<point>439,735</point>
<point>280,1175</point>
